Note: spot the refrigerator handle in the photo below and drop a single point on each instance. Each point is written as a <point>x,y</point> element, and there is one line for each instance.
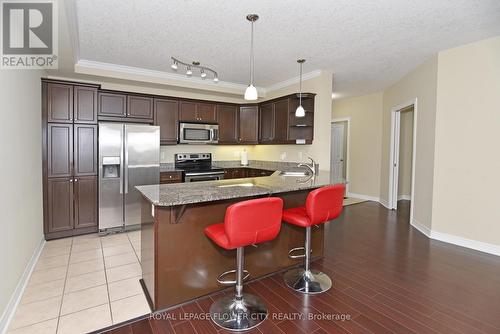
<point>125,166</point>
<point>122,176</point>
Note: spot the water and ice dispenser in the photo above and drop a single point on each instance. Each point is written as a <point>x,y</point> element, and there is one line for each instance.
<point>110,167</point>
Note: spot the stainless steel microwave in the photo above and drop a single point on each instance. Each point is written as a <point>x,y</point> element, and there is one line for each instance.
<point>198,133</point>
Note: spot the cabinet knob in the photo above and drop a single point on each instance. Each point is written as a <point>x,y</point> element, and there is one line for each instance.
<point>70,180</point>
<point>76,180</point>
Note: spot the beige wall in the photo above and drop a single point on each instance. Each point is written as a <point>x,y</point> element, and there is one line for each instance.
<point>365,114</point>
<point>320,149</point>
<point>405,153</point>
<point>467,160</point>
<point>20,176</point>
<point>421,83</point>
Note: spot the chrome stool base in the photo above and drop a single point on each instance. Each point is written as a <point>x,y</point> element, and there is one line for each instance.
<point>308,282</point>
<point>238,315</point>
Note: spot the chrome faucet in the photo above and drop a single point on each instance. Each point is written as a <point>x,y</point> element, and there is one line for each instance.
<point>311,167</point>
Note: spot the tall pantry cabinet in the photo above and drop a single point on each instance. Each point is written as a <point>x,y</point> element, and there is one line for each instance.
<point>69,149</point>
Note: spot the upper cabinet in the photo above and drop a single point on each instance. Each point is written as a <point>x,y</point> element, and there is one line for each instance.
<point>85,104</point>
<point>166,114</point>
<point>279,125</point>
<point>248,125</point>
<point>59,103</point>
<point>139,107</point>
<point>227,118</point>
<point>112,104</point>
<point>192,111</point>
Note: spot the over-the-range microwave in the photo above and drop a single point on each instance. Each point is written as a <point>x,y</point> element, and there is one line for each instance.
<point>198,133</point>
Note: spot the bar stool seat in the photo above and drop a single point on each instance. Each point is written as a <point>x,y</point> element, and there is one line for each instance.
<point>245,223</point>
<point>322,205</point>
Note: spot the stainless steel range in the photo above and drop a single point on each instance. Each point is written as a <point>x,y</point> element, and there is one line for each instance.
<point>198,167</point>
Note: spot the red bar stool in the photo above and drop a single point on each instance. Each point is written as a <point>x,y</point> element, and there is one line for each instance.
<point>246,223</point>
<point>322,205</point>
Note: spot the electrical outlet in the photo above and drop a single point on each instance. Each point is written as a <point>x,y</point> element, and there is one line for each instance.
<point>301,155</point>
<point>283,156</point>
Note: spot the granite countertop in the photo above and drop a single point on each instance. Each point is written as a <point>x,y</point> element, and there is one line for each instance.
<point>208,191</point>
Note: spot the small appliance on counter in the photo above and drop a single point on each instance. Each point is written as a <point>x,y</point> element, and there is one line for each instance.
<point>198,133</point>
<point>244,158</point>
<point>198,167</point>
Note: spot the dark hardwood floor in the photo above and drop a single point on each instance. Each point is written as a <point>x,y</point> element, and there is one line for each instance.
<point>387,278</point>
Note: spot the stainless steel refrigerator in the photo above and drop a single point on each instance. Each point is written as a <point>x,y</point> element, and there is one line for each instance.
<point>129,155</point>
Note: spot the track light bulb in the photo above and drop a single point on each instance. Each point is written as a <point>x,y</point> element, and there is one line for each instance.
<point>203,74</point>
<point>174,66</point>
<point>216,79</point>
<point>188,71</point>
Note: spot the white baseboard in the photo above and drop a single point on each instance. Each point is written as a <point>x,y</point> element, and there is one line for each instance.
<point>404,197</point>
<point>467,243</point>
<point>456,240</point>
<point>11,307</point>
<point>421,227</point>
<point>365,197</point>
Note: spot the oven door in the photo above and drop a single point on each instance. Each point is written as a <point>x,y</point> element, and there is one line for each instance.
<point>198,177</point>
<point>194,133</point>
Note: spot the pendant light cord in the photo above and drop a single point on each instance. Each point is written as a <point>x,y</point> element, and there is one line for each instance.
<point>251,57</point>
<point>300,86</point>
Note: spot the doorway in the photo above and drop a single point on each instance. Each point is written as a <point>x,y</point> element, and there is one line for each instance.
<point>402,155</point>
<point>339,161</point>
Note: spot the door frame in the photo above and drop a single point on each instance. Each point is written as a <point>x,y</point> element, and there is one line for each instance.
<point>348,157</point>
<point>394,153</point>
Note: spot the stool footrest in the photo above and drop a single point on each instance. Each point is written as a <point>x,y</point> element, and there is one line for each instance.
<point>297,256</point>
<point>227,282</point>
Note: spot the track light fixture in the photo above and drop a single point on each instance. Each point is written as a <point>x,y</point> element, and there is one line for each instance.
<point>194,65</point>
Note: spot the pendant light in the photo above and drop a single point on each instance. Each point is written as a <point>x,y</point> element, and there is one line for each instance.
<point>300,112</point>
<point>251,91</point>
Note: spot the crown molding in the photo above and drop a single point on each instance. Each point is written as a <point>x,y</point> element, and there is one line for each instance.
<point>292,81</point>
<point>152,76</point>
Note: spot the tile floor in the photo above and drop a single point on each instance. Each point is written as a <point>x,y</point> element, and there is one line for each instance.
<point>83,284</point>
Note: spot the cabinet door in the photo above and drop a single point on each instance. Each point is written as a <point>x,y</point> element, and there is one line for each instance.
<point>59,103</point>
<point>266,123</point>
<point>167,118</point>
<point>248,125</point>
<point>170,177</point>
<point>59,150</point>
<point>85,149</point>
<point>85,198</point>
<point>60,204</point>
<point>187,111</point>
<point>281,121</point>
<point>205,112</point>
<point>85,106</point>
<point>112,104</point>
<point>227,117</point>
<point>139,107</point>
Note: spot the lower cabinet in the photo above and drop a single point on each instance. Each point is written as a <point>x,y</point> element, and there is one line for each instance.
<point>170,177</point>
<point>72,206</point>
<point>85,201</point>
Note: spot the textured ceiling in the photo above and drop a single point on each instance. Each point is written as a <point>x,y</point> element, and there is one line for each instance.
<point>367,44</point>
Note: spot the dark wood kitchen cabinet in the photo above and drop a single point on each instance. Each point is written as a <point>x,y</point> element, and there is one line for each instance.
<point>166,116</point>
<point>85,149</point>
<point>69,148</point>
<point>170,177</point>
<point>227,118</point>
<point>139,107</point>
<point>59,204</point>
<point>281,108</point>
<point>248,125</point>
<point>85,201</point>
<point>112,104</point>
<point>266,123</point>
<point>242,172</point>
<point>85,104</point>
<point>191,111</point>
<point>59,150</point>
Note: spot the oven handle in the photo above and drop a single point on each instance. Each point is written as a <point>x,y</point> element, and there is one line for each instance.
<point>204,174</point>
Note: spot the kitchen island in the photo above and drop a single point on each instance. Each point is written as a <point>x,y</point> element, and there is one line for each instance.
<point>180,263</point>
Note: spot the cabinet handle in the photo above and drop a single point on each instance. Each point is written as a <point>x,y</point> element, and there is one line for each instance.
<point>76,180</point>
<point>70,180</point>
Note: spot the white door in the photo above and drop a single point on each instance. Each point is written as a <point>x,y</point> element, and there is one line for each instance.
<point>337,154</point>
<point>396,134</point>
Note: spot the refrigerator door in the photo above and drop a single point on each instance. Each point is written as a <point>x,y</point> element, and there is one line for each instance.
<point>111,163</point>
<point>142,166</point>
